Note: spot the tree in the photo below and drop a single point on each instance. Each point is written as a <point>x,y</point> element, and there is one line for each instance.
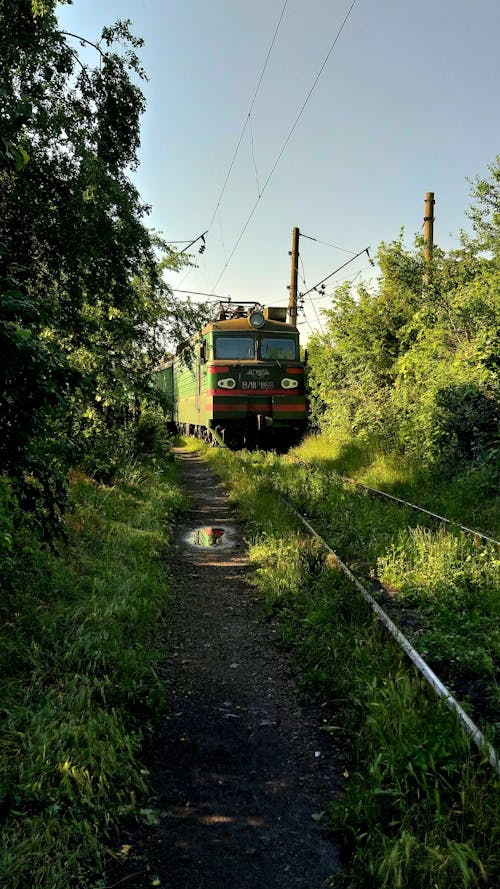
<point>417,367</point>
<point>485,212</point>
<point>81,285</point>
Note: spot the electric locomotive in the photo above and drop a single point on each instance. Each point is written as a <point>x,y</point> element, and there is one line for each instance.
<point>240,382</point>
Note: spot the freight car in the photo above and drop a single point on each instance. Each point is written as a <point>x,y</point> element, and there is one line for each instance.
<point>240,382</point>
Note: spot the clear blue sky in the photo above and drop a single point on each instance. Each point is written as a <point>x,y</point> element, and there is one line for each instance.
<point>407,103</point>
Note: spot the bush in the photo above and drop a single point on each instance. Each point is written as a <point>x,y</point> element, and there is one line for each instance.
<point>466,422</point>
<point>106,450</point>
<point>151,436</point>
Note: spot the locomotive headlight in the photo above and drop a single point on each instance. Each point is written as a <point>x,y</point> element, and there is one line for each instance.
<point>257,319</point>
<point>289,384</point>
<point>228,383</point>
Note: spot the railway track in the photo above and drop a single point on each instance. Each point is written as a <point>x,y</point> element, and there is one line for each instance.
<point>439,688</point>
<point>470,727</point>
<point>444,521</point>
<point>215,439</point>
<point>383,495</point>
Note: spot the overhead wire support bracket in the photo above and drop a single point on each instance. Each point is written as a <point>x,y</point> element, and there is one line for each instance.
<point>366,250</point>
<point>200,237</point>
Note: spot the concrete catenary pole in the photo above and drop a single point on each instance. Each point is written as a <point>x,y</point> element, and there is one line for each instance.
<point>294,273</point>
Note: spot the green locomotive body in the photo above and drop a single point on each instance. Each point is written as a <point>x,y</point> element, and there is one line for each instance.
<point>241,382</point>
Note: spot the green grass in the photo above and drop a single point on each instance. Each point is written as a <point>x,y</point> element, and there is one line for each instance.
<point>451,580</point>
<point>470,496</point>
<point>419,807</point>
<point>455,586</point>
<point>81,632</point>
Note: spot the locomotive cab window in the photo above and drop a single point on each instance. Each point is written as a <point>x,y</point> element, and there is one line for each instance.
<point>278,347</point>
<point>236,347</point>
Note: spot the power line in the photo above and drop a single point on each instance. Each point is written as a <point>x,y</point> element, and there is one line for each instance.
<point>351,281</point>
<point>247,119</point>
<point>282,151</point>
<point>253,159</point>
<point>222,236</point>
<point>328,294</point>
<point>302,275</point>
<point>213,296</point>
<point>318,319</point>
<point>326,244</point>
<point>190,244</point>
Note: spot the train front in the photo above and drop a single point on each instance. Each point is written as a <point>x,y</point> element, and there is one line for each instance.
<point>254,380</point>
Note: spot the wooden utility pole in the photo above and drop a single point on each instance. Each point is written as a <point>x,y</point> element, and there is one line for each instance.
<point>294,274</point>
<point>428,234</point>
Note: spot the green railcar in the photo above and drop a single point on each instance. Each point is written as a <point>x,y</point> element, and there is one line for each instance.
<point>240,382</point>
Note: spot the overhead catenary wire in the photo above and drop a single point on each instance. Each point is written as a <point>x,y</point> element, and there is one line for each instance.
<point>181,242</point>
<point>306,319</point>
<point>200,237</point>
<point>213,296</point>
<point>247,118</point>
<point>287,140</point>
<point>190,244</point>
<point>318,319</point>
<point>222,235</point>
<point>329,293</point>
<point>253,159</point>
<point>327,244</point>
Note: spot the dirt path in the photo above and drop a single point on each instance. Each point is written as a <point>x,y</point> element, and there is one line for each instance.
<point>239,769</point>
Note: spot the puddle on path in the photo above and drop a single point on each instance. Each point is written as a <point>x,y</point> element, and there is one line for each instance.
<point>211,536</point>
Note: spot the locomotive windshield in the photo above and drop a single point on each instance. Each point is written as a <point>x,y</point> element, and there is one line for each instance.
<point>241,348</point>
<point>235,347</point>
<point>277,347</point>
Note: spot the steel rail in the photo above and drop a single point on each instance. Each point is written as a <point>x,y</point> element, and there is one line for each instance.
<point>470,727</point>
<point>433,515</point>
<point>402,502</point>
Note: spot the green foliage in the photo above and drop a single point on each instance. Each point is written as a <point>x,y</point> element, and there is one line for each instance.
<point>485,213</point>
<point>415,367</point>
<point>456,587</point>
<point>470,497</point>
<point>467,421</point>
<point>452,581</point>
<point>80,636</point>
<point>84,310</point>
<point>421,813</point>
<point>452,568</point>
<point>448,578</point>
<point>151,433</point>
